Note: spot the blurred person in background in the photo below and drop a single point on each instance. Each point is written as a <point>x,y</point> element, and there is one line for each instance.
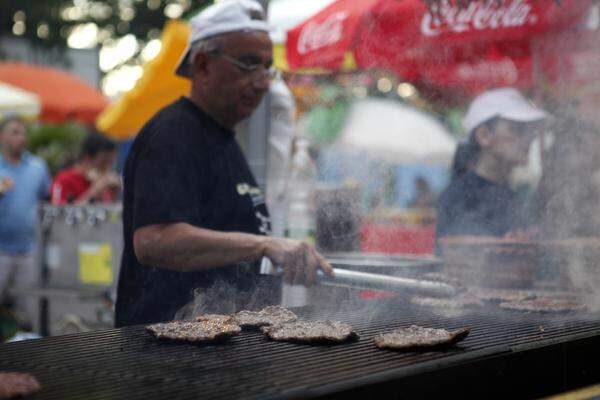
<point>281,134</point>
<point>424,196</point>
<point>24,183</point>
<point>194,217</point>
<point>501,126</point>
<point>92,178</point>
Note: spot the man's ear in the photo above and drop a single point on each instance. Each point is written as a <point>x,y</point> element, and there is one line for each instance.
<point>199,66</point>
<point>483,136</point>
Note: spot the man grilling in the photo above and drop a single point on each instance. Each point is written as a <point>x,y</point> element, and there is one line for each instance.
<point>194,217</point>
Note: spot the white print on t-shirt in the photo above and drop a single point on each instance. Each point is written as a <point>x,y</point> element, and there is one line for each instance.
<point>253,191</point>
<point>245,188</point>
<point>265,223</point>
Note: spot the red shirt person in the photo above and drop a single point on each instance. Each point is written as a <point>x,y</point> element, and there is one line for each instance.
<point>91,178</point>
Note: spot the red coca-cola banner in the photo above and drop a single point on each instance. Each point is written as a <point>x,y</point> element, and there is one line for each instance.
<point>507,18</point>
<point>483,43</point>
<point>322,40</point>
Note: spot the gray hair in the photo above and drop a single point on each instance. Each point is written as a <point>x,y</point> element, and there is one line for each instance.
<point>204,46</point>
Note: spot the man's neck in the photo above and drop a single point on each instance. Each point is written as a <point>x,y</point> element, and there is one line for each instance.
<point>204,105</point>
<point>493,169</point>
<point>12,158</point>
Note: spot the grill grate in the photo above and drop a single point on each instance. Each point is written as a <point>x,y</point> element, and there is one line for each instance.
<point>129,363</point>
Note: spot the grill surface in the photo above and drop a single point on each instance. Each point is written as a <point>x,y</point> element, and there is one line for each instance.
<point>129,363</point>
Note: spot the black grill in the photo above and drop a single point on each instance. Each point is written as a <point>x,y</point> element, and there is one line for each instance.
<point>518,354</point>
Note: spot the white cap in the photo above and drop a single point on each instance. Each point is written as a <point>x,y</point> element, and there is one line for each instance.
<point>506,103</point>
<point>223,17</point>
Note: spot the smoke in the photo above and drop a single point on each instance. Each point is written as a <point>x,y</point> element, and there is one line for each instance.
<point>224,297</point>
<point>338,218</point>
<point>568,193</point>
<point>582,276</point>
<point>565,204</point>
<point>568,204</point>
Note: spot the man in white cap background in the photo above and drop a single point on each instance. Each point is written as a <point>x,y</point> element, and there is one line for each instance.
<point>501,125</point>
<point>194,217</point>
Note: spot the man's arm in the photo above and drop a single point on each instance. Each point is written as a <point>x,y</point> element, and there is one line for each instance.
<point>101,184</point>
<point>184,247</point>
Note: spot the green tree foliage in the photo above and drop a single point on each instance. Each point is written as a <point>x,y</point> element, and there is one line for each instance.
<point>58,144</point>
<point>48,23</point>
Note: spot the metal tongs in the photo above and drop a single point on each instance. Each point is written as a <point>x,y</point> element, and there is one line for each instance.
<point>368,280</point>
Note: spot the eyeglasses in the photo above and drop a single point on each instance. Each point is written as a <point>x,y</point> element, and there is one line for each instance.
<point>251,69</point>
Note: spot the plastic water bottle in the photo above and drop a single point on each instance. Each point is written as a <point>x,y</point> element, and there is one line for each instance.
<point>300,216</point>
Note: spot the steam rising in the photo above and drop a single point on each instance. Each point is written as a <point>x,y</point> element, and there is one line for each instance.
<point>223,297</point>
<point>562,257</point>
<point>567,200</point>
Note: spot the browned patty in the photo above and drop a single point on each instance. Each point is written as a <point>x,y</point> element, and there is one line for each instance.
<point>195,331</point>
<point>311,332</point>
<point>502,295</point>
<point>216,318</point>
<point>545,304</point>
<point>415,337</point>
<point>17,384</point>
<point>440,277</point>
<point>271,315</point>
<point>460,301</point>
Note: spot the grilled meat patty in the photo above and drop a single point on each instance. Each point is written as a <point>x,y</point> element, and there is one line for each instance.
<point>460,301</point>
<point>17,384</point>
<point>440,277</point>
<point>545,304</point>
<point>209,330</point>
<point>415,337</point>
<point>502,295</point>
<point>311,331</point>
<point>271,315</point>
<point>219,318</point>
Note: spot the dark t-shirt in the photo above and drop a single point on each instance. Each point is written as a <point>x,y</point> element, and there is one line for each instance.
<point>184,167</point>
<point>472,205</point>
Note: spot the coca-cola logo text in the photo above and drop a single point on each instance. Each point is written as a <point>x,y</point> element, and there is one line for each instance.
<point>479,15</point>
<point>317,35</point>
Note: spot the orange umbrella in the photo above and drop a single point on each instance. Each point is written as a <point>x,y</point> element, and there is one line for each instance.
<point>64,96</point>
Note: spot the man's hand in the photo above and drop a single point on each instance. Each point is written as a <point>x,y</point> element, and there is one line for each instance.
<point>108,180</point>
<point>100,184</point>
<point>299,260</point>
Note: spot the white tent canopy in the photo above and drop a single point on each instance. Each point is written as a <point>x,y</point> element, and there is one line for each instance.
<point>394,132</point>
<point>15,101</point>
